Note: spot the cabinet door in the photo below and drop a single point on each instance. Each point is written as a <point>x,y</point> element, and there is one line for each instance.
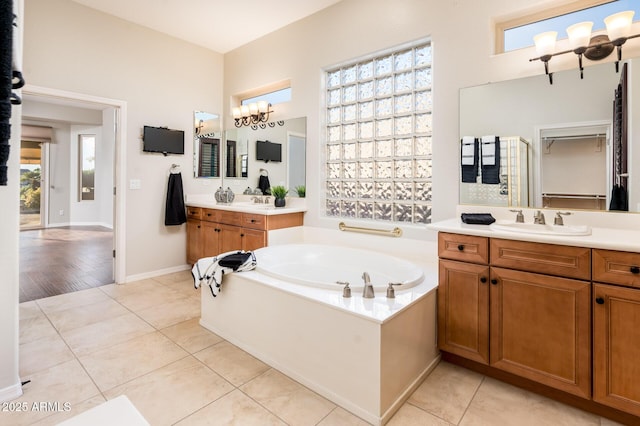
<point>616,347</point>
<point>210,239</point>
<point>541,329</point>
<point>253,239</point>
<point>230,238</point>
<point>194,241</point>
<point>463,310</point>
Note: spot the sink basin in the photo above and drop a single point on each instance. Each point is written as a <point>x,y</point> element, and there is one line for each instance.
<point>252,205</point>
<point>548,229</point>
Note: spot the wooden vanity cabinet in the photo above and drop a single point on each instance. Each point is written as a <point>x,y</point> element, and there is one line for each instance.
<point>213,231</point>
<point>616,330</point>
<point>495,311</point>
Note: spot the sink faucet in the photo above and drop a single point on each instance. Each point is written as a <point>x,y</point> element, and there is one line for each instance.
<point>367,291</point>
<point>538,218</point>
<point>558,219</point>
<point>257,200</point>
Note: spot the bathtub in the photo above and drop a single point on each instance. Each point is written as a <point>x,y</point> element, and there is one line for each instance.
<point>366,355</point>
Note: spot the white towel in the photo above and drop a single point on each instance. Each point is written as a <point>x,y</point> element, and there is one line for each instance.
<point>489,150</point>
<point>208,271</point>
<point>468,150</point>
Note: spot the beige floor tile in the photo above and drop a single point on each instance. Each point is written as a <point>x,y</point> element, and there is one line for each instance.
<point>173,392</point>
<point>341,417</point>
<point>287,399</point>
<point>35,326</point>
<point>74,410</point>
<point>409,415</point>
<point>81,316</point>
<point>174,277</point>
<point>172,312</point>
<point>232,363</point>
<point>499,403</point>
<point>236,408</point>
<point>100,335</point>
<point>118,290</point>
<point>71,300</point>
<point>191,335</point>
<point>29,309</point>
<point>185,288</point>
<point>125,361</point>
<point>447,391</point>
<point>141,300</point>
<point>65,383</point>
<point>42,354</point>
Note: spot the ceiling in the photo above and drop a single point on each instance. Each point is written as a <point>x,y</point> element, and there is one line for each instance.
<point>219,25</point>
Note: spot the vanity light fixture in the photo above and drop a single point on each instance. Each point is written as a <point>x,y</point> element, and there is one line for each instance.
<point>256,114</point>
<point>582,44</point>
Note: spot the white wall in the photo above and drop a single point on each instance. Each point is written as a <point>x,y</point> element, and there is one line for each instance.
<point>163,80</point>
<point>10,387</point>
<point>462,35</point>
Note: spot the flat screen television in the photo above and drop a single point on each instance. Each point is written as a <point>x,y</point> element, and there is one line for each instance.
<point>268,151</point>
<point>162,140</point>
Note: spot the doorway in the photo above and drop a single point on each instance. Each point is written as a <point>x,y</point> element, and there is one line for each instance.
<point>74,219</point>
<point>32,204</point>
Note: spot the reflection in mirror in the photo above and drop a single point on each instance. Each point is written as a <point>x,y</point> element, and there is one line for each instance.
<point>242,170</point>
<point>206,147</point>
<point>572,134</point>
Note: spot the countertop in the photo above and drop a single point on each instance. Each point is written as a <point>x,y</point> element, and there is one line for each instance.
<point>294,205</point>
<point>602,238</point>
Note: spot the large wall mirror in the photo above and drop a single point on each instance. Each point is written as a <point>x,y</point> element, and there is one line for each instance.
<point>207,145</point>
<point>286,143</point>
<point>561,140</point>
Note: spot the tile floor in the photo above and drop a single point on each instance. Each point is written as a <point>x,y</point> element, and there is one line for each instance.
<point>143,340</point>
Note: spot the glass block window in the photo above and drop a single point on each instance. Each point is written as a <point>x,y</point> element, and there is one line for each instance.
<point>378,162</point>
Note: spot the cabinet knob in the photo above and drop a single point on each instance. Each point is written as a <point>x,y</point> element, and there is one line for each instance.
<point>460,247</point>
<point>483,280</point>
<point>635,270</point>
<point>494,281</point>
<point>208,214</point>
<point>599,300</point>
<point>198,226</point>
<point>253,221</point>
<point>242,235</point>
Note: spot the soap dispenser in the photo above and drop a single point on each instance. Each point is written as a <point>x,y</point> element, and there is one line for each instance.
<point>219,195</point>
<point>229,195</point>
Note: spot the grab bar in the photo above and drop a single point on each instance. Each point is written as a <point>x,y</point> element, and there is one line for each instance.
<point>395,232</point>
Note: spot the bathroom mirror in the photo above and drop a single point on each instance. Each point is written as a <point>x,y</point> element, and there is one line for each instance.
<point>551,118</point>
<point>242,169</point>
<point>206,145</point>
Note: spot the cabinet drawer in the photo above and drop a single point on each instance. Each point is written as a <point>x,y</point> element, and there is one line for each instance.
<point>466,248</point>
<point>550,259</point>
<point>194,213</point>
<point>210,215</point>
<point>254,221</point>
<point>616,267</point>
<point>229,217</point>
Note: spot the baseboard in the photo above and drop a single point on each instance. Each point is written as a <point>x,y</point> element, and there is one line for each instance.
<point>63,224</point>
<point>157,273</point>
<point>10,393</point>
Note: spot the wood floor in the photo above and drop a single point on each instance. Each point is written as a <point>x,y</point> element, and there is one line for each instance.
<point>61,260</point>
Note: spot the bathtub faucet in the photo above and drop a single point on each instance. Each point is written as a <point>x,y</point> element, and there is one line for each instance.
<point>367,291</point>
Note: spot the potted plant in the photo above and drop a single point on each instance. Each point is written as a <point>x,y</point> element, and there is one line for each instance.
<point>279,192</point>
<point>301,190</point>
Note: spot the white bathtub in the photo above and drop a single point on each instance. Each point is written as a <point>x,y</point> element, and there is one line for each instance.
<point>324,266</point>
<point>366,355</point>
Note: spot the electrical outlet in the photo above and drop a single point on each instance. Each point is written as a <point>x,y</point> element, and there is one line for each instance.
<point>61,212</point>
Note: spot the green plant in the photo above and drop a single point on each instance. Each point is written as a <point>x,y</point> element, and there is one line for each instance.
<point>279,191</point>
<point>301,190</point>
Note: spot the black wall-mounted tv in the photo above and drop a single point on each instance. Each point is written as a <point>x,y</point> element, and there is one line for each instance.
<point>268,151</point>
<point>162,140</point>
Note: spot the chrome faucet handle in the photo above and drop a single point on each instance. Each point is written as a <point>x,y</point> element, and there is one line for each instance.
<point>558,219</point>
<point>519,216</point>
<point>391,293</point>
<point>346,291</point>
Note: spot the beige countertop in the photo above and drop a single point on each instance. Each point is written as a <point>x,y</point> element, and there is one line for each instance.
<point>245,205</point>
<point>602,238</point>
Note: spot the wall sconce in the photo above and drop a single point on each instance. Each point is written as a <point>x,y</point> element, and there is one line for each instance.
<point>582,44</point>
<point>199,126</point>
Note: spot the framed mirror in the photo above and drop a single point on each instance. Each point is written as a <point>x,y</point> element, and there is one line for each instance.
<point>570,133</point>
<point>206,145</point>
<point>282,153</point>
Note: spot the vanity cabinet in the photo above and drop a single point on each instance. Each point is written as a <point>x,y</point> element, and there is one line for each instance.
<point>493,309</point>
<point>214,231</point>
<point>616,330</point>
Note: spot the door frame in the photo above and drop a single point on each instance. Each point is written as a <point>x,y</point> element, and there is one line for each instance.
<point>119,220</point>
